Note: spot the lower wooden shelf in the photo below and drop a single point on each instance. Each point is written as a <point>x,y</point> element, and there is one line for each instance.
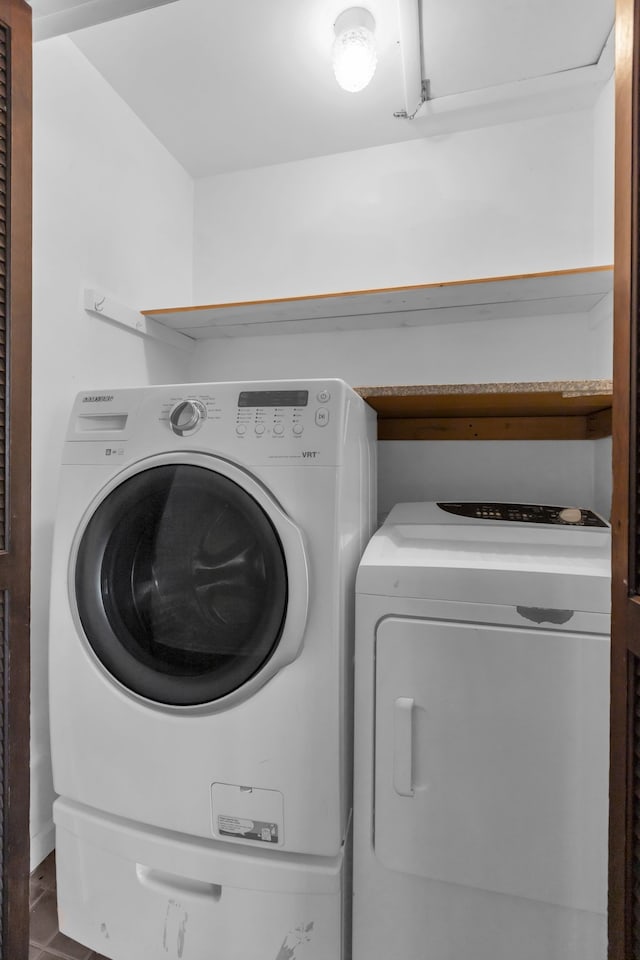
<point>554,410</point>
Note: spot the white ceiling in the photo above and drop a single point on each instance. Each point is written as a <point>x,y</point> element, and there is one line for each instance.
<point>232,84</point>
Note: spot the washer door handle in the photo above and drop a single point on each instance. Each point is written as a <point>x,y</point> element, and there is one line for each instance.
<point>403,746</point>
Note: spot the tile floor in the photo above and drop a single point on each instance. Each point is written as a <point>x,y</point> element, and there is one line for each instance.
<point>45,940</point>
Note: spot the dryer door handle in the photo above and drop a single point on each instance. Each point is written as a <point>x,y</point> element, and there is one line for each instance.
<point>403,746</point>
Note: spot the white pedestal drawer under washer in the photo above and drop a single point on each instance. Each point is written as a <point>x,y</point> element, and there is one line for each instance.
<point>201,640</point>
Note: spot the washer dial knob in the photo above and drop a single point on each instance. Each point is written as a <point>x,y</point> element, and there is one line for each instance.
<point>187,416</point>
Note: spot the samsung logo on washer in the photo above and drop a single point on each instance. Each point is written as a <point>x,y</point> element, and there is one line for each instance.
<point>98,398</point>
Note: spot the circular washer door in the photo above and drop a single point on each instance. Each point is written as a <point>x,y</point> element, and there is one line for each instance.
<point>181,583</point>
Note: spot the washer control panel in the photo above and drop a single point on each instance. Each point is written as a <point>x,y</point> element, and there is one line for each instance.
<point>260,423</point>
<point>526,513</point>
<point>255,422</point>
<point>282,414</point>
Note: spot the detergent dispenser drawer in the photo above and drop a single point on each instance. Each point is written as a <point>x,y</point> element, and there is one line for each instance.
<point>491,758</point>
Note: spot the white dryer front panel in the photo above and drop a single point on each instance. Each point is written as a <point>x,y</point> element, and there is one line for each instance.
<point>491,758</point>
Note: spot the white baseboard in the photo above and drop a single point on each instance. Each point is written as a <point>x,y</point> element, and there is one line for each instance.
<point>42,845</point>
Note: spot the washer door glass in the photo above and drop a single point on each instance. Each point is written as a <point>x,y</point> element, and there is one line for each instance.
<point>181,584</point>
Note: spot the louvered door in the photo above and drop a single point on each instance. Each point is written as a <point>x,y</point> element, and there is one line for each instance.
<point>15,391</point>
<point>624,849</point>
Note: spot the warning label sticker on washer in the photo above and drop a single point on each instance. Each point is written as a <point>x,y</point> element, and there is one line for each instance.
<point>248,829</point>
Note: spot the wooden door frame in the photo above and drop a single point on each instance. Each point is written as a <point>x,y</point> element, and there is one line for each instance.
<point>625,524</point>
<point>625,615</point>
<point>15,572</point>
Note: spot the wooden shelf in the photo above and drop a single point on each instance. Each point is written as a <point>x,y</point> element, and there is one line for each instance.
<point>534,294</point>
<point>556,410</point>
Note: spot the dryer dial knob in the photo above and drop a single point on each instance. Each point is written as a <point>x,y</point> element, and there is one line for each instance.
<point>187,416</point>
<point>571,515</point>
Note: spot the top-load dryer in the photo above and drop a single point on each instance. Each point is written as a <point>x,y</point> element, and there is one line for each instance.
<point>481,734</point>
<point>205,553</point>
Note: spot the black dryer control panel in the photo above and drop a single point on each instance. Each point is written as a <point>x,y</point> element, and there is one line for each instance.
<point>525,513</point>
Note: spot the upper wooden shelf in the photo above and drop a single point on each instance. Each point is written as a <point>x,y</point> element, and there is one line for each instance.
<point>524,295</point>
<point>555,410</point>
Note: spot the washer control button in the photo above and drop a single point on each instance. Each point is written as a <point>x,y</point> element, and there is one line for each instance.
<point>297,429</point>
<point>322,416</point>
<point>241,429</point>
<point>571,515</point>
<point>259,429</point>
<point>324,396</point>
<point>278,429</point>
<point>187,416</point>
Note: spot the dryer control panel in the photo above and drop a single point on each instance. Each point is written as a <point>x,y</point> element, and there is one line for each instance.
<point>525,513</point>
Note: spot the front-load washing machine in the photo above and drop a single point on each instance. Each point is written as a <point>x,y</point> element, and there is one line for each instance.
<point>481,734</point>
<point>205,552</point>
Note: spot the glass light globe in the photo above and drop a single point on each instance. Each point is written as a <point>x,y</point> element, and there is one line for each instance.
<point>354,54</point>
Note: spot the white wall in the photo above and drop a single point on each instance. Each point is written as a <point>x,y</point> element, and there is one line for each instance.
<point>515,198</point>
<point>603,173</point>
<point>602,327</point>
<point>112,209</point>
<point>539,348</point>
<point>522,471</point>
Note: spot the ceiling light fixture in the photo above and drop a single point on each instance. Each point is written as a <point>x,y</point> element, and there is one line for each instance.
<point>354,49</point>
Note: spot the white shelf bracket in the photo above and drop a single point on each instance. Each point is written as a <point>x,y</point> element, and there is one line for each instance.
<point>416,88</point>
<point>65,16</point>
<point>98,304</point>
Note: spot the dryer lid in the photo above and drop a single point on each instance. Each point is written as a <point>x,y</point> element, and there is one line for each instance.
<point>428,552</point>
